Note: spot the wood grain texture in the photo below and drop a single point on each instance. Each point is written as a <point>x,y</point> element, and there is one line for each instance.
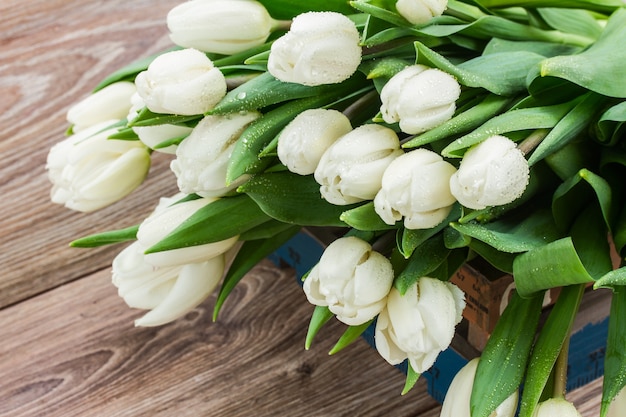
<point>74,352</point>
<point>68,347</point>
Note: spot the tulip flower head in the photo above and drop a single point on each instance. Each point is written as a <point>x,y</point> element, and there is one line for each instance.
<point>169,292</point>
<point>88,171</point>
<point>556,407</point>
<point>457,401</point>
<point>320,48</point>
<point>202,157</point>
<point>166,217</point>
<point>219,26</point>
<point>416,186</point>
<point>492,173</point>
<point>351,279</point>
<point>110,103</point>
<point>302,142</point>
<point>618,405</point>
<point>419,98</point>
<point>183,82</point>
<point>352,168</point>
<point>420,11</point>
<point>419,324</point>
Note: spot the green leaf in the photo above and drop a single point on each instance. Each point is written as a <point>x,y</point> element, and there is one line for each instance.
<point>614,279</point>
<point>365,218</point>
<point>578,21</point>
<point>615,356</point>
<point>471,118</point>
<point>293,198</point>
<point>611,127</point>
<point>220,220</point>
<point>351,334</point>
<point>147,118</point>
<point>503,361</point>
<point>547,49</point>
<point>553,335</point>
<point>265,230</point>
<point>288,9</point>
<point>411,379</point>
<point>573,195</point>
<point>553,265</point>
<point>321,315</point>
<point>250,254</point>
<point>124,134</point>
<point>501,73</point>
<point>603,6</point>
<point>425,259</point>
<point>513,120</point>
<point>568,128</point>
<point>380,9</point>
<point>411,239</point>
<point>106,238</point>
<point>513,234</point>
<point>597,68</point>
<point>263,91</point>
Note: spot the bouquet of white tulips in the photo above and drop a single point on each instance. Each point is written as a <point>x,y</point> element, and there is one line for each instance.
<point>426,133</point>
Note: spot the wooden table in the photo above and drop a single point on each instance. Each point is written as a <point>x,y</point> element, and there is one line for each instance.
<point>68,346</point>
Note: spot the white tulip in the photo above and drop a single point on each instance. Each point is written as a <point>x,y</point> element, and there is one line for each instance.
<point>351,279</point>
<point>556,407</point>
<point>219,26</point>
<point>416,185</point>
<point>303,141</point>
<point>352,168</point>
<point>492,173</point>
<point>419,324</point>
<point>419,98</point>
<point>89,171</point>
<point>320,48</point>
<point>421,11</point>
<point>169,292</point>
<point>182,82</point>
<point>202,158</point>
<point>167,216</point>
<point>457,401</point>
<point>110,103</point>
<point>152,136</point>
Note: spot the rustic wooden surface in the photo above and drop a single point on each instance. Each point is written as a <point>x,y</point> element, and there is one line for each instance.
<point>68,346</point>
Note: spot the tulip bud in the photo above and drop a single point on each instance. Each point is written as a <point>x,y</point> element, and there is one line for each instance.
<point>421,11</point>
<point>110,103</point>
<point>304,140</point>
<point>416,185</point>
<point>419,324</point>
<point>321,48</point>
<point>457,401</point>
<point>352,168</point>
<point>152,136</point>
<point>183,82</point>
<point>556,407</point>
<point>420,98</point>
<point>351,279</point>
<point>219,26</point>
<point>492,173</point>
<point>88,171</point>
<point>167,216</point>
<point>169,291</point>
<point>202,158</point>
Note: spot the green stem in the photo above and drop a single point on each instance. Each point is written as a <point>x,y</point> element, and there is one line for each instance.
<point>560,371</point>
<point>532,141</point>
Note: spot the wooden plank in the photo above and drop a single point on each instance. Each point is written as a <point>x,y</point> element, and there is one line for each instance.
<point>53,54</point>
<point>74,352</point>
